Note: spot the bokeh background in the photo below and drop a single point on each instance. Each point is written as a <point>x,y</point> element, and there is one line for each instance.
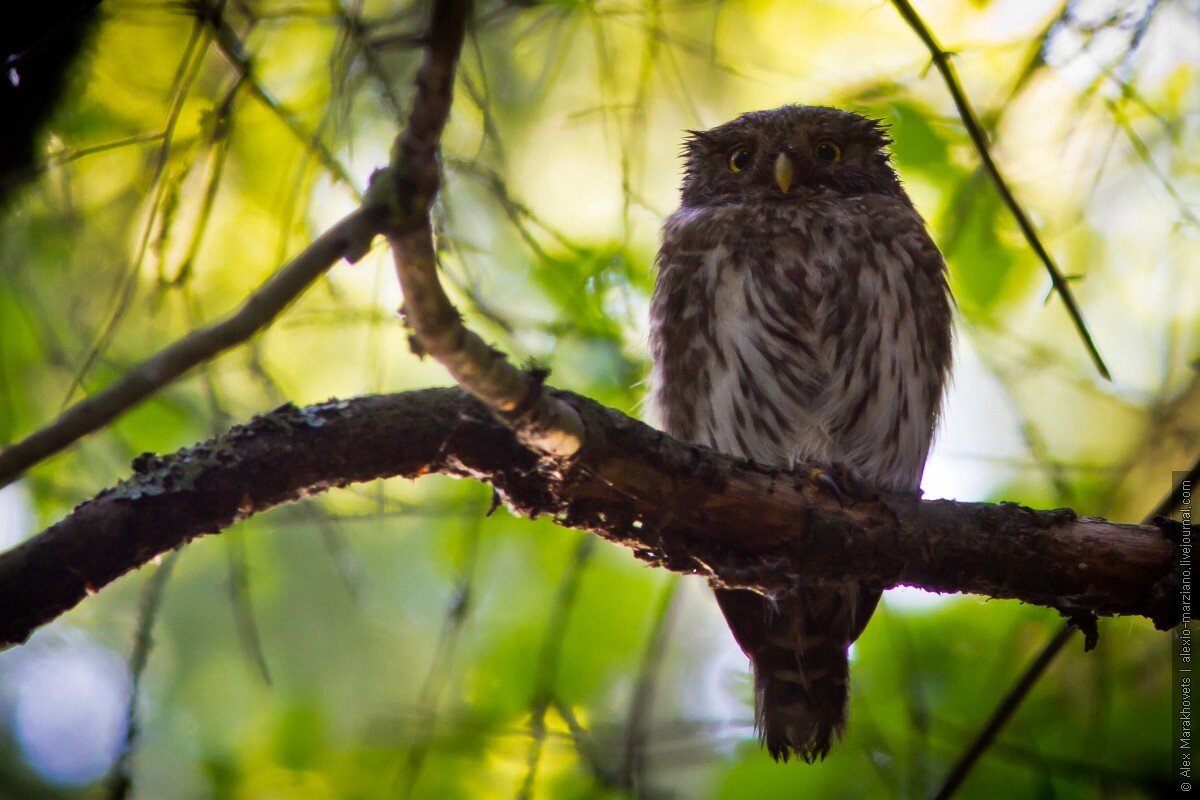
<point>390,640</point>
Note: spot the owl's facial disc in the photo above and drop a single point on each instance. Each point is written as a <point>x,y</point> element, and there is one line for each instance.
<point>785,172</point>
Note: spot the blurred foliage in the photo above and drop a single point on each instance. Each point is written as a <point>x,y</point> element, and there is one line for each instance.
<point>392,641</point>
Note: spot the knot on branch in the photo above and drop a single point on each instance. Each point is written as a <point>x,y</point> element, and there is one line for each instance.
<point>545,422</point>
<point>1086,621</point>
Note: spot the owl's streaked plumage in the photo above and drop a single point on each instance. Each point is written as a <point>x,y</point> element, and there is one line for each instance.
<point>800,312</point>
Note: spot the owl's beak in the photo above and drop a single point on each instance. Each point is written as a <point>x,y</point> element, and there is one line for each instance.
<point>784,172</point>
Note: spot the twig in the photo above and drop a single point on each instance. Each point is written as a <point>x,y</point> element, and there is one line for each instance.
<point>631,775</point>
<point>66,155</point>
<point>440,666</point>
<point>185,75</point>
<point>243,610</point>
<point>352,23</point>
<point>1109,778</point>
<point>1147,159</point>
<point>1172,502</point>
<point>230,46</point>
<point>941,60</point>
<point>548,658</point>
<point>584,743</point>
<point>515,395</point>
<point>121,781</point>
<point>348,239</point>
<point>985,737</point>
<point>218,137</point>
<point>71,16</point>
<point>506,389</point>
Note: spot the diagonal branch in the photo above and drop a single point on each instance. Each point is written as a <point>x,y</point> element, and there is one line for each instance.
<point>676,506</point>
<point>1007,707</point>
<point>941,60</point>
<point>348,239</point>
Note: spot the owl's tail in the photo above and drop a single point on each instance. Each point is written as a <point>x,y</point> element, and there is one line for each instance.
<point>801,671</point>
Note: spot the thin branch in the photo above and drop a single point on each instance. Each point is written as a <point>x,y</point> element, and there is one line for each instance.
<point>1101,778</point>
<point>983,740</point>
<point>240,603</point>
<point>185,75</point>
<point>66,155</point>
<point>1147,158</point>
<point>584,743</point>
<point>121,779</point>
<point>13,60</point>
<point>941,60</point>
<point>230,46</point>
<point>352,24</point>
<point>515,394</point>
<point>548,659</point>
<point>441,665</point>
<point>1174,500</point>
<point>631,776</point>
<point>676,506</point>
<point>347,239</point>
<point>218,137</point>
<point>408,195</point>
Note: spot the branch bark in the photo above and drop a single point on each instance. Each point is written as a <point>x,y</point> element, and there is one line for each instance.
<point>676,506</point>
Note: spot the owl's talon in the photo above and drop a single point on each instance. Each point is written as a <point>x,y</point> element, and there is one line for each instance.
<point>842,480</point>
<point>822,478</point>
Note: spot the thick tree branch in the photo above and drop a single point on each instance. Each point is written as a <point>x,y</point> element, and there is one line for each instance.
<point>677,506</point>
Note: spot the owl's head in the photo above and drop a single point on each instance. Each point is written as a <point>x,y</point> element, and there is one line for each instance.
<point>791,153</point>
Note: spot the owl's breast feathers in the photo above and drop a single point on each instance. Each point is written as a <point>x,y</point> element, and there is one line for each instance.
<point>817,330</point>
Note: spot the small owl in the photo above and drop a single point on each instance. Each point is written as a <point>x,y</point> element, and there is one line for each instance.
<point>800,312</point>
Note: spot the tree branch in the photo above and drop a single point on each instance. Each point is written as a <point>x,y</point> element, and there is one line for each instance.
<point>676,506</point>
<point>941,60</point>
<point>1017,693</point>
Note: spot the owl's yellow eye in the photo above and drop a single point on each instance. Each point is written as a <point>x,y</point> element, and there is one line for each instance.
<point>828,152</point>
<point>739,158</point>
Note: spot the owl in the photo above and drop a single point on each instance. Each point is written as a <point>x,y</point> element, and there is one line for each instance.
<point>800,312</point>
